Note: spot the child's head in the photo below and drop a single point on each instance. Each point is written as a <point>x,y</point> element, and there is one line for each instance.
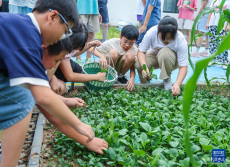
<point>129,35</point>
<point>55,19</point>
<point>55,53</point>
<point>79,37</point>
<point>167,29</point>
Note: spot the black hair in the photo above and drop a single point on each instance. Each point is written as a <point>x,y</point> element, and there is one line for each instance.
<point>167,25</point>
<point>67,8</point>
<point>79,37</point>
<point>130,32</point>
<point>57,48</point>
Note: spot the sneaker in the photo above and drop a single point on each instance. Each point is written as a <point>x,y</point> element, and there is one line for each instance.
<point>79,62</point>
<point>210,63</point>
<point>204,54</point>
<point>122,80</point>
<point>89,60</point>
<point>195,54</point>
<point>225,66</point>
<point>168,84</point>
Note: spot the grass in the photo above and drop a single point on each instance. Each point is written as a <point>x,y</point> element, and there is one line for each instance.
<point>112,33</point>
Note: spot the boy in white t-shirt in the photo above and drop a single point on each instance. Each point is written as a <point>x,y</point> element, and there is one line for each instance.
<point>123,52</point>
<point>168,51</point>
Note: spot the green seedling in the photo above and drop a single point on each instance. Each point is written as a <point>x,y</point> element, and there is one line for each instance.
<point>103,70</point>
<point>149,73</point>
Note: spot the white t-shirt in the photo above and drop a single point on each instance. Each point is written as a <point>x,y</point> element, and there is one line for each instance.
<point>139,8</point>
<point>115,43</point>
<point>179,45</point>
<point>215,17</point>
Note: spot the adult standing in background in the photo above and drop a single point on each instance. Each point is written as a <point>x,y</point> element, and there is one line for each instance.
<point>139,11</point>
<point>89,15</point>
<point>103,10</point>
<point>22,6</point>
<point>151,17</point>
<point>4,6</point>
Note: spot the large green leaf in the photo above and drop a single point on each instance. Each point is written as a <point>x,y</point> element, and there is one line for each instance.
<point>174,143</point>
<point>204,141</point>
<point>190,88</point>
<point>139,152</point>
<point>145,126</point>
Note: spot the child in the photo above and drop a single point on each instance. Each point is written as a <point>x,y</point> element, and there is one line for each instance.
<point>59,50</point>
<point>89,15</point>
<point>123,52</point>
<point>68,70</point>
<point>186,8</point>
<point>23,7</point>
<point>151,17</point>
<point>168,51</point>
<point>211,25</point>
<point>23,49</point>
<point>139,12</point>
<point>201,28</point>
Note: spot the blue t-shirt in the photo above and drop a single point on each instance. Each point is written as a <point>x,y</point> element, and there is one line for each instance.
<point>87,7</point>
<point>156,13</point>
<point>21,50</point>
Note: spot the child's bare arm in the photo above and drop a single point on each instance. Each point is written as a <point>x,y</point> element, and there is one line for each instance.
<point>87,47</point>
<point>103,61</point>
<point>71,76</point>
<point>48,100</point>
<point>189,7</point>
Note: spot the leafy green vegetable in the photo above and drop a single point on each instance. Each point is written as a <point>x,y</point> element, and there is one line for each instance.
<point>103,70</point>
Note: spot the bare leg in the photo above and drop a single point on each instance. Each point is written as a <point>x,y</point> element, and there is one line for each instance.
<point>128,62</point>
<point>12,142</point>
<point>96,145</point>
<point>105,27</point>
<point>90,38</point>
<point>114,55</point>
<point>200,40</point>
<point>188,36</point>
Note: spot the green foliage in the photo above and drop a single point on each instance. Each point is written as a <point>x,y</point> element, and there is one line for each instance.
<point>103,70</point>
<point>145,128</point>
<point>200,66</point>
<point>112,33</point>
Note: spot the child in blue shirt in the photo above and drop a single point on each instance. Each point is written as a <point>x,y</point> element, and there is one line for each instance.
<point>151,17</point>
<point>21,66</point>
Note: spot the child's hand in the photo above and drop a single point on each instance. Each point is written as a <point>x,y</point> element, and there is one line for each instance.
<point>73,102</point>
<point>207,25</point>
<point>175,90</point>
<point>187,6</point>
<point>100,18</point>
<point>130,84</point>
<point>144,74</point>
<point>55,86</point>
<point>86,130</point>
<point>103,63</point>
<point>94,43</point>
<point>143,29</point>
<point>97,145</point>
<point>180,7</point>
<point>101,76</point>
<point>194,19</point>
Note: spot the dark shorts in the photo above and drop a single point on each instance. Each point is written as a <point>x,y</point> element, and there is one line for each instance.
<point>139,17</point>
<point>102,4</point>
<point>5,6</point>
<point>75,67</point>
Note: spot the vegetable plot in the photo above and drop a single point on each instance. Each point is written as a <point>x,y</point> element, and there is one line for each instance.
<point>146,128</point>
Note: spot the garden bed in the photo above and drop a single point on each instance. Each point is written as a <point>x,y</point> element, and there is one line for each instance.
<point>144,128</point>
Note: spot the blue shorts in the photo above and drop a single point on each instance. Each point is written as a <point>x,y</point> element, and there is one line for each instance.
<point>15,103</point>
<point>103,10</point>
<point>202,23</point>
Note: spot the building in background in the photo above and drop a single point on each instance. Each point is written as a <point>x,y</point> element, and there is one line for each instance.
<point>125,10</point>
